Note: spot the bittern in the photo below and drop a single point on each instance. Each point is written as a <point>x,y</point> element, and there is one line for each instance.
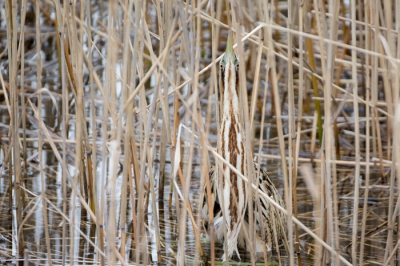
<point>229,191</point>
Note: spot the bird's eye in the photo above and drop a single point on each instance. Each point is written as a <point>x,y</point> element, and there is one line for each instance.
<point>237,67</point>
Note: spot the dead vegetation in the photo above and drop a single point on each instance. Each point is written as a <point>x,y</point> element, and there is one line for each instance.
<point>108,127</point>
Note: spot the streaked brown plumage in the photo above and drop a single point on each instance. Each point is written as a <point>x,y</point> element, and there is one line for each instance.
<point>266,217</point>
<point>229,191</point>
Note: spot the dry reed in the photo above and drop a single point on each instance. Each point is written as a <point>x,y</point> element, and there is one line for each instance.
<point>110,112</point>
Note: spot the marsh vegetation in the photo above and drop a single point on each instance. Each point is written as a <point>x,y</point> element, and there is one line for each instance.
<point>109,125</point>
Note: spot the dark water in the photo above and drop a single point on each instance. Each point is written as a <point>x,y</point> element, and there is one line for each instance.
<point>85,253</point>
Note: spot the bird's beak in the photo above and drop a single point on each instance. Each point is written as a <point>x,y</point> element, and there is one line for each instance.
<point>229,53</point>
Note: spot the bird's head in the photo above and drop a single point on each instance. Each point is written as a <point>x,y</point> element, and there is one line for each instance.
<point>229,69</point>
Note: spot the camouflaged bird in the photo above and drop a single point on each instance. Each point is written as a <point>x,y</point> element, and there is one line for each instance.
<point>229,191</point>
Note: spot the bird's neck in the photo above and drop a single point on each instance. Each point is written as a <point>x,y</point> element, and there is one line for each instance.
<point>231,140</point>
<point>229,87</point>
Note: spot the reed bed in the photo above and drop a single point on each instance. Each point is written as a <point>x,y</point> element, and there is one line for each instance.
<point>109,123</point>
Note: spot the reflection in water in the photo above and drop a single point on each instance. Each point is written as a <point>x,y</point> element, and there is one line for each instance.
<point>85,253</point>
